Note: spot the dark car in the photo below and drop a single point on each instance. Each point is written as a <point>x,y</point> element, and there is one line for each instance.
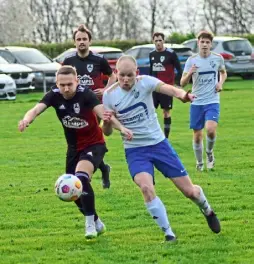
<point>141,54</point>
<point>41,65</point>
<point>237,53</point>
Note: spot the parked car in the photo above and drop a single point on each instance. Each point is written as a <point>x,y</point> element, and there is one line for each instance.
<point>7,87</point>
<point>141,54</point>
<point>21,74</point>
<point>41,65</point>
<point>237,53</point>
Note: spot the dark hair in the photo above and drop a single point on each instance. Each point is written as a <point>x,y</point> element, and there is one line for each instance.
<point>205,34</point>
<point>157,34</point>
<point>84,29</point>
<point>66,69</point>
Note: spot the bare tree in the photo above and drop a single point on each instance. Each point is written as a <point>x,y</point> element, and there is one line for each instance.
<point>213,14</point>
<point>160,15</point>
<point>15,26</point>
<point>239,15</point>
<point>119,19</point>
<point>52,19</point>
<point>89,11</point>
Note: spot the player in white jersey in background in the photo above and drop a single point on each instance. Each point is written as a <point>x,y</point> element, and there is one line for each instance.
<point>130,101</point>
<point>203,68</point>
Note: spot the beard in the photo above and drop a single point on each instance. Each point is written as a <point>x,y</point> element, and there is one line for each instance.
<point>82,50</point>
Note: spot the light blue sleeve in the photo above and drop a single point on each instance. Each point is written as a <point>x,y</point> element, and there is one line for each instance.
<point>187,65</point>
<point>222,64</point>
<point>106,102</point>
<point>151,83</point>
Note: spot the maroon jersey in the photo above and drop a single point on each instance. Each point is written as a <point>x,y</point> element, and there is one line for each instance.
<point>79,122</point>
<point>163,65</point>
<point>90,69</point>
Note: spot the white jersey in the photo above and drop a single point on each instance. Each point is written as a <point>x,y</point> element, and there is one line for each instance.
<point>206,77</point>
<point>135,110</point>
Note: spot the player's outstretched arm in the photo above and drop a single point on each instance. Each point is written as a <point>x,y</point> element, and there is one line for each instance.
<point>176,92</point>
<point>30,116</point>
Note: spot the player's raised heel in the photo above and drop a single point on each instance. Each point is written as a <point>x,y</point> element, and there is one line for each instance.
<point>213,222</point>
<point>169,238</point>
<point>90,231</point>
<point>105,177</point>
<point>210,160</point>
<point>100,227</point>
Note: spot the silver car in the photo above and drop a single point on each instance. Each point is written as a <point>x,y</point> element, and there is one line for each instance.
<point>21,74</point>
<point>7,87</point>
<point>43,67</point>
<point>237,53</point>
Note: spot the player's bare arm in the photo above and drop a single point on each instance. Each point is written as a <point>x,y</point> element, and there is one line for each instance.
<point>110,122</point>
<point>187,75</point>
<point>111,80</point>
<point>176,92</point>
<point>223,77</point>
<point>30,116</point>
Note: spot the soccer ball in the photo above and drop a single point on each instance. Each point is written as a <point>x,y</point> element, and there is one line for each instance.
<point>68,188</point>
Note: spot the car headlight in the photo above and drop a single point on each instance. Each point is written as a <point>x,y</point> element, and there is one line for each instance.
<point>10,84</point>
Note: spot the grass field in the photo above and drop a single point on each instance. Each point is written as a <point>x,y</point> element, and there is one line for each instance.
<point>36,227</point>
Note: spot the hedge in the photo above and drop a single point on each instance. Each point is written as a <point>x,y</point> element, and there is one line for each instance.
<point>54,49</point>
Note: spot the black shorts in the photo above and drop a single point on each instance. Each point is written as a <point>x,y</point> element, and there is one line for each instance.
<point>94,154</point>
<point>165,101</point>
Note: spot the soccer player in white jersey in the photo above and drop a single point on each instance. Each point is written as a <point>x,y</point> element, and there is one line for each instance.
<point>130,101</point>
<point>203,68</point>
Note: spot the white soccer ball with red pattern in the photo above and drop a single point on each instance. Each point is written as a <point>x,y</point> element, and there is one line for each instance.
<point>68,187</point>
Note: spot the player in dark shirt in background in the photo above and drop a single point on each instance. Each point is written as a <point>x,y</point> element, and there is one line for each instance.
<point>163,62</point>
<point>90,69</point>
<point>76,108</point>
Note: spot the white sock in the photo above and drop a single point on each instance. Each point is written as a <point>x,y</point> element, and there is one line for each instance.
<point>203,203</point>
<point>198,151</point>
<point>98,222</point>
<point>90,220</point>
<point>158,211</point>
<point>210,144</point>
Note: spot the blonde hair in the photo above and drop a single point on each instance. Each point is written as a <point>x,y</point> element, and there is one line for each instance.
<point>126,58</point>
<point>66,69</point>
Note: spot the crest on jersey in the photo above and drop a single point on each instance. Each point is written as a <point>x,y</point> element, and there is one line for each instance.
<point>212,64</point>
<point>89,67</point>
<point>76,108</point>
<point>162,58</point>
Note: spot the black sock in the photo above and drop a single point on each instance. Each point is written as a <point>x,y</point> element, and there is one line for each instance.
<point>86,202</point>
<point>167,123</point>
<point>102,166</point>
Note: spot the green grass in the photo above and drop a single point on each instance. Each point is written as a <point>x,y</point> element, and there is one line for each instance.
<point>36,227</point>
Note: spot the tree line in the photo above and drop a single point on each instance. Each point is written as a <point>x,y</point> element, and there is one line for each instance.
<point>45,21</point>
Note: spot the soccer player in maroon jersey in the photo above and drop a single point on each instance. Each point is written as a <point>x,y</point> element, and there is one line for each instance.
<point>90,68</point>
<point>163,62</point>
<point>76,108</point>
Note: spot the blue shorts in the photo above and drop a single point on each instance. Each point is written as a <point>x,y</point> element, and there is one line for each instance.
<point>199,114</point>
<point>162,156</point>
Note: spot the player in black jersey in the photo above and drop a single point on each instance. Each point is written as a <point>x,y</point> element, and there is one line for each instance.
<point>76,108</point>
<point>90,68</point>
<point>163,62</point>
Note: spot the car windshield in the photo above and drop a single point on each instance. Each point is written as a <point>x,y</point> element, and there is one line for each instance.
<point>111,55</point>
<point>3,61</point>
<point>31,56</point>
<point>238,47</point>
